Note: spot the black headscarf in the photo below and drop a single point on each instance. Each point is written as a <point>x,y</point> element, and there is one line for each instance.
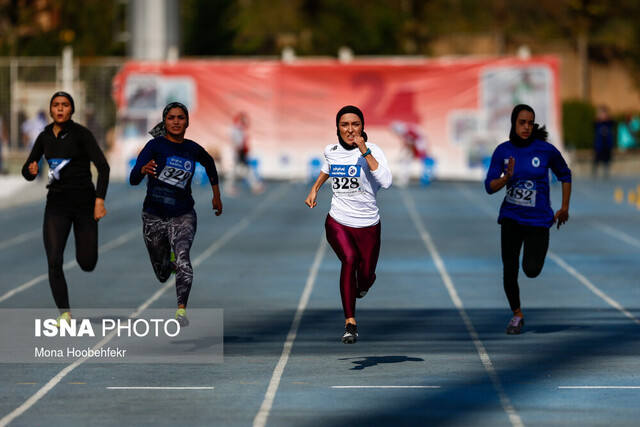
<point>346,110</point>
<point>66,95</point>
<point>160,129</point>
<point>537,132</point>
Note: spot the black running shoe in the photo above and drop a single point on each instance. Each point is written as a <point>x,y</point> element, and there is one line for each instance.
<point>361,294</point>
<point>515,325</point>
<point>350,334</point>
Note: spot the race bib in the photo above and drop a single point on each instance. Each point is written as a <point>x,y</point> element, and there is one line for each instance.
<point>522,193</point>
<point>345,179</point>
<point>177,171</point>
<point>55,166</point>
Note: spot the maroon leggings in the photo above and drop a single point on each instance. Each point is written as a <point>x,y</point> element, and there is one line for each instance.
<point>358,250</point>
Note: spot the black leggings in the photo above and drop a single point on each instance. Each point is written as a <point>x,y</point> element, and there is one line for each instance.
<point>55,232</point>
<point>536,243</point>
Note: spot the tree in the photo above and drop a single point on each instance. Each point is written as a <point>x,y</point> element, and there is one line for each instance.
<point>205,27</point>
<point>30,28</point>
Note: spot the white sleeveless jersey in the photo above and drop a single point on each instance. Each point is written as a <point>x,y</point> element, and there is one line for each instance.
<point>354,185</point>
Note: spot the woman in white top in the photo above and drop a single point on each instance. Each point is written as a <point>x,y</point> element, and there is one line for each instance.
<point>357,170</point>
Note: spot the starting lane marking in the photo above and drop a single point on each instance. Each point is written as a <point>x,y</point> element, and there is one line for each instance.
<point>384,386</point>
<point>159,388</point>
<point>597,387</point>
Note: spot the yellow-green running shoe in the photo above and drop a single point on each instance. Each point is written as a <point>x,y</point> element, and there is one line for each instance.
<point>66,316</point>
<point>181,317</point>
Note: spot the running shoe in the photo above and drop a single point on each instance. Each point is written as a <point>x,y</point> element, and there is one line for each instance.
<point>66,316</point>
<point>172,258</point>
<point>515,325</point>
<point>361,294</point>
<point>350,334</point>
<point>181,317</point>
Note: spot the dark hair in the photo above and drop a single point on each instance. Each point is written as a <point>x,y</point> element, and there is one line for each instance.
<point>537,132</point>
<point>66,95</point>
<point>346,110</point>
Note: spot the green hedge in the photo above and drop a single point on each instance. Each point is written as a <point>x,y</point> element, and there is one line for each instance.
<point>577,123</point>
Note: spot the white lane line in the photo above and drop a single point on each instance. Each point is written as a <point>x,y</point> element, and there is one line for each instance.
<point>593,288</point>
<point>72,264</point>
<point>4,421</point>
<point>9,243</point>
<point>384,386</point>
<point>508,408</point>
<point>261,417</point>
<point>563,264</point>
<point>616,233</point>
<point>131,234</point>
<point>598,387</point>
<point>38,232</point>
<point>159,388</point>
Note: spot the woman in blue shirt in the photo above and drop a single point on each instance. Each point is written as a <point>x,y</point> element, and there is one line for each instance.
<point>522,164</point>
<point>169,220</point>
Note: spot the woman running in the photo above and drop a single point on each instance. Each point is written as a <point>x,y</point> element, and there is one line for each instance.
<point>168,219</point>
<point>72,199</point>
<point>522,164</point>
<point>357,171</point>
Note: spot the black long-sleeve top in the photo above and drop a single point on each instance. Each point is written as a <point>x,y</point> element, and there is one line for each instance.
<point>73,188</point>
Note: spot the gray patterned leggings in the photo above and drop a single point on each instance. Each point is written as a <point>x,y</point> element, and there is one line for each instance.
<point>161,235</point>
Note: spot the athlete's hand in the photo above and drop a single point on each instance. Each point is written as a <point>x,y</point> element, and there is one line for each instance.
<point>561,217</point>
<point>217,205</point>
<point>33,168</point>
<point>99,211</point>
<point>360,143</point>
<point>311,199</point>
<point>149,168</point>
<point>510,166</point>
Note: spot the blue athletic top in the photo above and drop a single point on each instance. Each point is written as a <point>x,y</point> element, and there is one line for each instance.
<point>169,194</point>
<point>527,200</point>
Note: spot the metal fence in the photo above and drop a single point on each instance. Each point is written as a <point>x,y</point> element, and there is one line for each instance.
<point>26,86</point>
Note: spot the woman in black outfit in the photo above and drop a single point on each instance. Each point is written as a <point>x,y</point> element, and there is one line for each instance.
<point>72,200</point>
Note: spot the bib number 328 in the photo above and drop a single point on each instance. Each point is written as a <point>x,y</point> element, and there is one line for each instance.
<point>345,183</point>
<point>345,179</point>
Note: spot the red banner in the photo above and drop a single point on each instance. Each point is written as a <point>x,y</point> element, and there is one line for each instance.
<point>461,106</point>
